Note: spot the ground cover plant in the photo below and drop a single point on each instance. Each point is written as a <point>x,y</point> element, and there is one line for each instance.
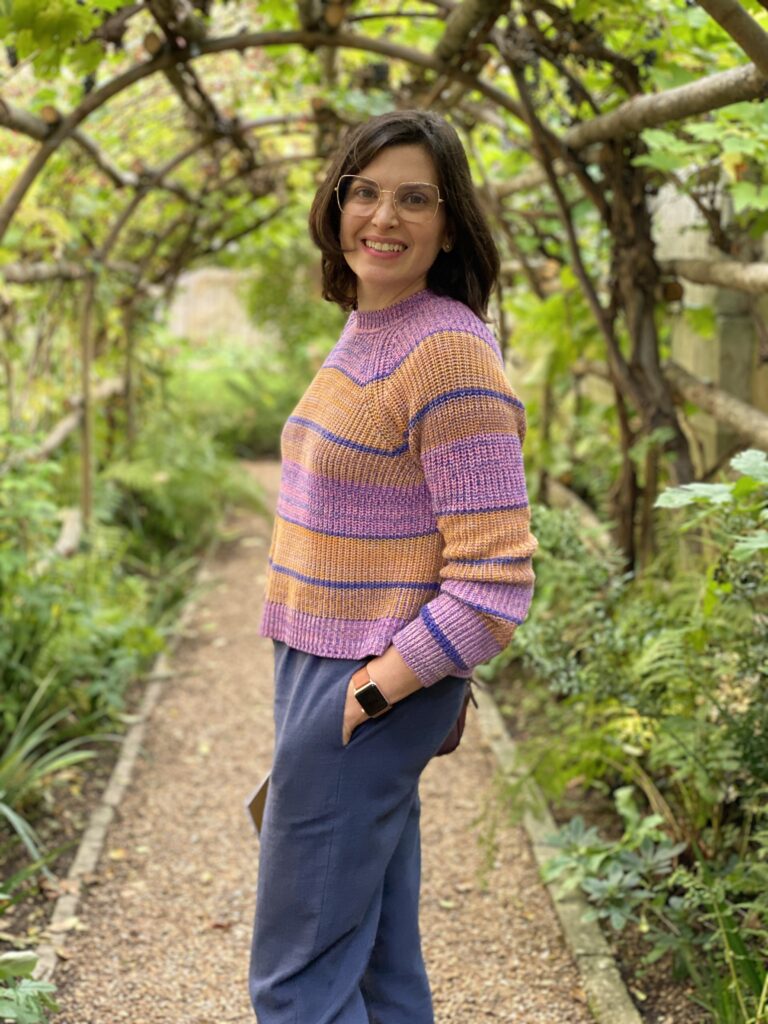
<point>660,702</point>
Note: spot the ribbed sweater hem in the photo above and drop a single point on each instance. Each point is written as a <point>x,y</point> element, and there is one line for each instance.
<point>334,638</point>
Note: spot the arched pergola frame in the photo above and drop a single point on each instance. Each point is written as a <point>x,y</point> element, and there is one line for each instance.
<point>647,394</point>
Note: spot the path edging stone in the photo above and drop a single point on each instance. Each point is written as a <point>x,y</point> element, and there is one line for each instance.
<point>607,995</point>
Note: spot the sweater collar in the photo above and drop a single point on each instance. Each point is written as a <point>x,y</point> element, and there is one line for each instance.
<point>377,319</point>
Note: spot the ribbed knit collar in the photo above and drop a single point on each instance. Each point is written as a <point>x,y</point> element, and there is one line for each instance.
<point>378,319</point>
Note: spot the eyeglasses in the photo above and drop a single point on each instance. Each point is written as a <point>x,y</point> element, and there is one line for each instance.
<point>415,201</point>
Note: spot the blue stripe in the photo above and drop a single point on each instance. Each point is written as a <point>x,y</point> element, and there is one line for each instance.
<point>479,511</point>
<point>493,561</point>
<point>442,640</point>
<point>389,452</point>
<point>348,585</point>
<point>358,536</point>
<point>448,396</point>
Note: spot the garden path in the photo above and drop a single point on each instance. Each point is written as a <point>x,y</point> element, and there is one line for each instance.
<point>164,928</point>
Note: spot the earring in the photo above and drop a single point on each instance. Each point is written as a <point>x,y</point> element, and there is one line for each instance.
<point>447,246</point>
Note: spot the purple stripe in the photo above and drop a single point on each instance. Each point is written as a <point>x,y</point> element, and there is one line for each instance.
<point>353,584</point>
<point>493,561</point>
<point>349,509</point>
<point>356,534</point>
<point>481,473</point>
<point>461,511</point>
<point>328,637</point>
<point>508,601</point>
<point>344,441</point>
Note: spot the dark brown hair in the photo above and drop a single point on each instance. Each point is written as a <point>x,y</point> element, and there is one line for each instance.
<point>470,270</point>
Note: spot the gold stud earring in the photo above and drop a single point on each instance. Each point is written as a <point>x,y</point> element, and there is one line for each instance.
<point>447,246</point>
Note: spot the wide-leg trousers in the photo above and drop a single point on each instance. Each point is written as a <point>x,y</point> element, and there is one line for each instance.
<point>336,937</point>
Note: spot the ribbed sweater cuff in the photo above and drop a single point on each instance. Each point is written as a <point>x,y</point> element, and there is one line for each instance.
<point>427,654</point>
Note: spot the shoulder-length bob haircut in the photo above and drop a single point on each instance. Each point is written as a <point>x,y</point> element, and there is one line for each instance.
<point>470,270</point>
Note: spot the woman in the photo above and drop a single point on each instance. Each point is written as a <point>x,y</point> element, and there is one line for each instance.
<point>401,558</point>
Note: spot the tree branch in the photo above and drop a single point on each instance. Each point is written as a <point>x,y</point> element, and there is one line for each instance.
<point>742,28</point>
<point>742,277</point>
<point>745,83</point>
<point>241,41</point>
<point>63,270</point>
<point>65,427</point>
<point>468,24</point>
<point>749,423</point>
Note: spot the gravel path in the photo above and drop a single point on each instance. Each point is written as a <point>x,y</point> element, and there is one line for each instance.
<point>162,935</point>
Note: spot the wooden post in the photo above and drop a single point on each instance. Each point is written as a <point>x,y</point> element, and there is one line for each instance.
<point>726,354</point>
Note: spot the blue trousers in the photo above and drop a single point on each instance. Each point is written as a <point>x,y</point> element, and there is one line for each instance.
<point>336,938</point>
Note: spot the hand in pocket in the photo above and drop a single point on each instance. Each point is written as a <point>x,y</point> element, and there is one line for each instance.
<point>353,714</point>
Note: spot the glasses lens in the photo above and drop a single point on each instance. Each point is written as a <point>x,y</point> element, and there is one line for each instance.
<point>358,195</point>
<point>416,200</point>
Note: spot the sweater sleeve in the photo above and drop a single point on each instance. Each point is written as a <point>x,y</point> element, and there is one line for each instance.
<point>465,426</point>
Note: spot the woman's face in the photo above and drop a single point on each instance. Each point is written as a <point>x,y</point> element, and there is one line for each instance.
<point>384,278</point>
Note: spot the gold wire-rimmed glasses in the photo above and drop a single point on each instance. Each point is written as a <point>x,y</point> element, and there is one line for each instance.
<point>415,201</point>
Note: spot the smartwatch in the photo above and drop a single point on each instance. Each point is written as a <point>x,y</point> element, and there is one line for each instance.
<point>371,699</point>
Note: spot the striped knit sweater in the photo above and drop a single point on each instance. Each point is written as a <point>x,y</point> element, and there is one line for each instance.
<point>403,515</point>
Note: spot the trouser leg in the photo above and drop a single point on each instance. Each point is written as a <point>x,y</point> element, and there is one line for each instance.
<point>334,821</point>
<point>395,986</point>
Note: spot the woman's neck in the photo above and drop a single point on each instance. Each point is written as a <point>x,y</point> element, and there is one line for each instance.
<point>370,300</point>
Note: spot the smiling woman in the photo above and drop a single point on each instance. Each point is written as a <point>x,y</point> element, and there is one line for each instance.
<point>416,148</point>
<point>400,559</point>
<point>388,249</point>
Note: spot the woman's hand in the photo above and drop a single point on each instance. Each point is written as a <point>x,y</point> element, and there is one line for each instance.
<point>353,713</point>
<point>393,677</point>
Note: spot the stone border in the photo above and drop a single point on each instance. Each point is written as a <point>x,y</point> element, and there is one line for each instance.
<point>92,842</point>
<point>607,995</point>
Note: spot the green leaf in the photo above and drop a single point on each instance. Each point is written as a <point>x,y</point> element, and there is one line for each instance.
<point>688,494</point>
<point>752,463</point>
<point>17,965</point>
<point>748,197</point>
<point>746,547</point>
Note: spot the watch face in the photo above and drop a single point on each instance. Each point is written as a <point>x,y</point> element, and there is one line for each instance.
<point>371,699</point>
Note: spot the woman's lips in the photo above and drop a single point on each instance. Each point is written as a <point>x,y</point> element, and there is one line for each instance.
<point>382,249</point>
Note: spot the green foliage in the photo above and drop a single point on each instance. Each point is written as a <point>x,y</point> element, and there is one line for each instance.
<point>79,622</point>
<point>570,432</point>
<point>48,32</point>
<point>176,485</point>
<point>241,394</point>
<point>284,295</point>
<point>733,140</point>
<point>29,760</point>
<point>622,879</point>
<point>22,999</point>
<point>74,632</point>
<point>660,691</point>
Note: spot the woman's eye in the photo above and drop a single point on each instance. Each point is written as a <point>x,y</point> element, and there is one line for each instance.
<point>363,192</point>
<point>414,199</point>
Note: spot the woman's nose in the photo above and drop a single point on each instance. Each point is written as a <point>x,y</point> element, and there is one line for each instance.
<point>386,211</point>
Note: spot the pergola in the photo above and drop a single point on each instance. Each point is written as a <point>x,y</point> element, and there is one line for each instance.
<point>480,69</point>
